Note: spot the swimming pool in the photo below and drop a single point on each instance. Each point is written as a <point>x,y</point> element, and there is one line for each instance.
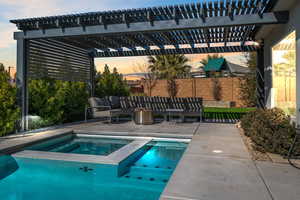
<point>81,145</point>
<point>143,178</point>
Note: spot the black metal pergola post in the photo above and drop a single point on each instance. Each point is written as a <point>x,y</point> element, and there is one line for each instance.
<point>64,47</point>
<point>22,75</point>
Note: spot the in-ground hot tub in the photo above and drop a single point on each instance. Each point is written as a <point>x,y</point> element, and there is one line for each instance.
<point>81,145</point>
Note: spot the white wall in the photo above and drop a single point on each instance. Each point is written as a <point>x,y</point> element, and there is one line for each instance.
<point>275,35</point>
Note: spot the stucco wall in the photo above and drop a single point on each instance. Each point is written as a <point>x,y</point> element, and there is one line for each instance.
<point>275,34</point>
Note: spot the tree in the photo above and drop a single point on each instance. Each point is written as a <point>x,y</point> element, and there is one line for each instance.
<point>110,84</point>
<point>169,67</point>
<point>217,89</point>
<point>149,76</point>
<point>248,84</point>
<point>9,111</point>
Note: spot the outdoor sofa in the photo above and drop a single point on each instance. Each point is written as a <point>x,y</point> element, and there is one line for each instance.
<point>113,107</point>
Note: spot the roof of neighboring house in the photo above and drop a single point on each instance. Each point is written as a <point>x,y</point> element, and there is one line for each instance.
<point>214,65</point>
<point>237,69</point>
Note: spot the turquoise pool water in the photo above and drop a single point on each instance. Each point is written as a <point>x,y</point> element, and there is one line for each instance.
<point>81,145</point>
<point>36,179</point>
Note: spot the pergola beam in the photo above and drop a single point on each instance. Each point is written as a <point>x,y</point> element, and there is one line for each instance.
<point>202,50</point>
<point>163,25</point>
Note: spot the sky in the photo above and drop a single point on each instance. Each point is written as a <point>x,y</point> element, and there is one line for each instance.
<point>16,9</point>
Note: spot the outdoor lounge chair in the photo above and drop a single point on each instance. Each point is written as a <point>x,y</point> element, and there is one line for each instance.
<point>103,107</point>
<point>115,106</point>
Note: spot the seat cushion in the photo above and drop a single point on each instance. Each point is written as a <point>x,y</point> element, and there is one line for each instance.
<point>114,102</point>
<point>99,114</point>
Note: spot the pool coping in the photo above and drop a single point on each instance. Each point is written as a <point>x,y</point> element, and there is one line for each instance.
<point>14,145</point>
<point>136,134</point>
<point>114,158</point>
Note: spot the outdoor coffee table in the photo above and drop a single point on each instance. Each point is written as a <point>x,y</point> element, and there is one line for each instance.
<point>175,112</point>
<point>143,116</point>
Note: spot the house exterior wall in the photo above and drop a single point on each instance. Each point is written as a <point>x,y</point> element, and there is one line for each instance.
<point>275,35</point>
<point>201,87</point>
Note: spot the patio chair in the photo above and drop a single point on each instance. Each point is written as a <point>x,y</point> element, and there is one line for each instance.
<point>102,107</point>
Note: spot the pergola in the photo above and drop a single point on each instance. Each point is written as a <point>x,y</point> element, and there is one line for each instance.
<point>46,44</point>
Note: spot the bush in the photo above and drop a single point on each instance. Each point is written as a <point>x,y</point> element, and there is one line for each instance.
<point>45,100</point>
<point>270,130</point>
<point>9,112</point>
<point>75,97</point>
<point>56,101</point>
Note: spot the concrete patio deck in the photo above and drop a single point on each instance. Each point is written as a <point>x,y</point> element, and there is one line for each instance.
<point>216,165</point>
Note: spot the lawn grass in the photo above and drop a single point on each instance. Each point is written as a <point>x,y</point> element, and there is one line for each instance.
<point>227,110</point>
<point>231,114</point>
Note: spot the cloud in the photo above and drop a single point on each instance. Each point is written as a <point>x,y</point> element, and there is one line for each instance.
<point>11,9</point>
<point>28,8</point>
<point>6,35</point>
<point>14,9</point>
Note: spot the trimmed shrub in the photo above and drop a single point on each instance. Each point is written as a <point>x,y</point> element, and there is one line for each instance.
<point>9,111</point>
<point>270,130</point>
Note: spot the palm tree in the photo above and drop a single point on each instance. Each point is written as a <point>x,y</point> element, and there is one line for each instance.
<point>169,67</point>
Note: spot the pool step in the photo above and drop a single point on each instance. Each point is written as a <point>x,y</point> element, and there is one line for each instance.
<point>144,173</point>
<point>151,170</point>
<point>150,178</point>
<point>66,148</point>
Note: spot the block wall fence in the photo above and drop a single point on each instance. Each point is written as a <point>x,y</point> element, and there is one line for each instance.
<point>201,87</point>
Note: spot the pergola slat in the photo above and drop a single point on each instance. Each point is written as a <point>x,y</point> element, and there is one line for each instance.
<point>55,59</point>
